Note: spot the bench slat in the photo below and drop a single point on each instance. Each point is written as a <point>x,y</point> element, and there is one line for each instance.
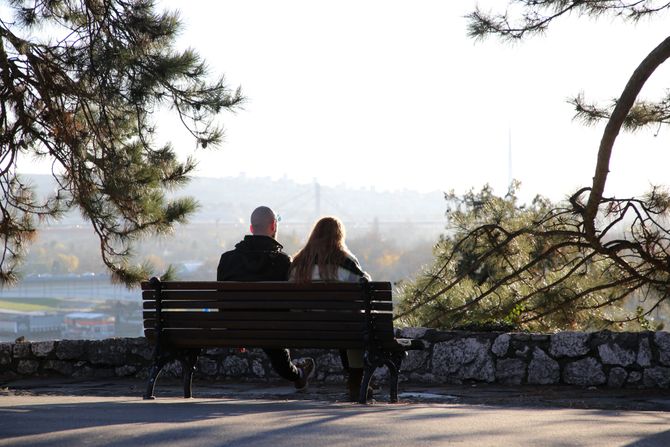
<point>263,285</point>
<point>194,341</point>
<point>268,304</point>
<point>252,295</point>
<point>273,316</point>
<point>264,335</point>
<point>175,323</point>
<point>180,341</point>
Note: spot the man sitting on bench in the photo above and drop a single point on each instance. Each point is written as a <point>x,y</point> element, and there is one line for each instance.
<point>259,257</point>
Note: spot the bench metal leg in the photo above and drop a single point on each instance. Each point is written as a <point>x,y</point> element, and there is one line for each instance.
<point>365,383</point>
<point>392,360</point>
<point>188,359</point>
<point>155,371</point>
<point>188,362</point>
<point>393,364</point>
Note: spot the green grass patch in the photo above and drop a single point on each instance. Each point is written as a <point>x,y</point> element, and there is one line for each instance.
<point>30,304</point>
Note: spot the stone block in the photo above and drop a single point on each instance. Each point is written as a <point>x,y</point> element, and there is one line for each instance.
<point>142,373</point>
<point>521,337</point>
<point>330,362</point>
<point>107,352</point>
<point>125,371</point>
<point>449,356</point>
<point>141,347</point>
<point>466,358</point>
<point>173,369</point>
<point>60,366</point>
<point>634,377</point>
<point>501,345</point>
<point>662,342</point>
<point>257,368</point>
<point>22,350</point>
<point>569,344</point>
<point>422,378</point>
<point>584,372</point>
<point>617,377</point>
<point>5,354</point>
<point>415,360</point>
<point>510,371</point>
<point>27,367</point>
<point>644,355</point>
<point>256,352</point>
<point>42,348</point>
<point>411,332</point>
<point>207,366</point>
<point>217,352</point>
<point>543,370</point>
<point>381,374</point>
<point>234,366</point>
<point>483,369</point>
<point>627,340</point>
<point>523,351</point>
<point>440,336</point>
<point>613,354</point>
<point>658,377</point>
<point>71,349</point>
<point>336,379</point>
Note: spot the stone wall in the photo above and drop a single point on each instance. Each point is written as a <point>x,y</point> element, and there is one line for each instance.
<point>613,359</point>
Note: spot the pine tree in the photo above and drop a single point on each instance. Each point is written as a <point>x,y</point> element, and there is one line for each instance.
<point>81,84</point>
<point>625,243</point>
<point>508,265</point>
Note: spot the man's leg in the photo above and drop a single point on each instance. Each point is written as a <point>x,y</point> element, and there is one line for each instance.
<point>298,374</point>
<point>281,363</point>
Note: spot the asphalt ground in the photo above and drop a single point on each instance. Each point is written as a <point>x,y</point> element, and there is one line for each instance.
<point>102,412</point>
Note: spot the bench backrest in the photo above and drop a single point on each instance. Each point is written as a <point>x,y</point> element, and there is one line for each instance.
<point>268,314</point>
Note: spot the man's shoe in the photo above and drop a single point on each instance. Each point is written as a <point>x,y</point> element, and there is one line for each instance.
<point>354,383</point>
<point>307,367</point>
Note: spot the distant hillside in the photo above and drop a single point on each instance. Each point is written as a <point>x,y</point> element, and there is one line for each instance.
<point>231,199</point>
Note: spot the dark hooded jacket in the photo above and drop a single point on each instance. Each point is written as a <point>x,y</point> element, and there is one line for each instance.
<point>256,258</point>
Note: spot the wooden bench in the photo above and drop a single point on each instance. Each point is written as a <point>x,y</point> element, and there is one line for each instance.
<point>183,317</point>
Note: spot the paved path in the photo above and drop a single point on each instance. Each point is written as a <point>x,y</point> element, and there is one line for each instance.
<point>92,414</point>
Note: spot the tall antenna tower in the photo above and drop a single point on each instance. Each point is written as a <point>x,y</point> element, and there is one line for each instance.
<point>317,199</point>
<point>509,158</point>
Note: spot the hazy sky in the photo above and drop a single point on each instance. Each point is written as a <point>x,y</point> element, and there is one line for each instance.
<point>392,94</point>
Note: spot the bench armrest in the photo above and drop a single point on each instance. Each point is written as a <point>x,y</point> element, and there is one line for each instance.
<point>411,344</point>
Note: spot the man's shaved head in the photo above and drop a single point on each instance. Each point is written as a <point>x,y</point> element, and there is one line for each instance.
<point>263,222</point>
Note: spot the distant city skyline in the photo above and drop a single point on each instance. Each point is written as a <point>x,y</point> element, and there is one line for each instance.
<point>296,203</point>
<point>394,95</point>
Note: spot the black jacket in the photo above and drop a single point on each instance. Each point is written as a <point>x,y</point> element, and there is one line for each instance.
<point>256,258</point>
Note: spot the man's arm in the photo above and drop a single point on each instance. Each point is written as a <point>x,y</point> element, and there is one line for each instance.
<point>221,269</point>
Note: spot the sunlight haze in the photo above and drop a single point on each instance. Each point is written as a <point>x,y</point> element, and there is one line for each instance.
<point>394,95</point>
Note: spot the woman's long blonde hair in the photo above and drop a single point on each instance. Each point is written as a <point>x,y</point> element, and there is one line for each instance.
<point>325,248</point>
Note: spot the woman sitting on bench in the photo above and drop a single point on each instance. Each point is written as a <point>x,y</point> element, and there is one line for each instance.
<point>326,257</point>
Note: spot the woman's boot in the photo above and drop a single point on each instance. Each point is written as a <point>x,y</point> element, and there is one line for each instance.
<point>354,383</point>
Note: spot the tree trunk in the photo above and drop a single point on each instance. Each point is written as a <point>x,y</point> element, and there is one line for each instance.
<point>659,55</point>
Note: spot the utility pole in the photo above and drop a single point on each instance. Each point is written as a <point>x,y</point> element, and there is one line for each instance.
<point>317,199</point>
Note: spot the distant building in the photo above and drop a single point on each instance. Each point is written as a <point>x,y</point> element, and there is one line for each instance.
<point>88,326</point>
<point>32,325</point>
